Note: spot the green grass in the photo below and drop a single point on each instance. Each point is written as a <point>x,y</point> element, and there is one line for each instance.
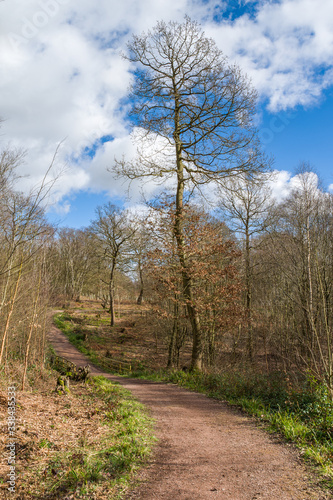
<point>113,462</point>
<point>74,333</point>
<point>45,443</point>
<point>303,415</point>
<point>66,323</point>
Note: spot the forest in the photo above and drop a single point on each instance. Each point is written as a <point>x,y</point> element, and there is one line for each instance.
<point>249,275</point>
<point>261,273</point>
<point>239,280</point>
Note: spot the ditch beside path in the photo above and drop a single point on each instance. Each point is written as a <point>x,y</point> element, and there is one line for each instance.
<point>206,449</point>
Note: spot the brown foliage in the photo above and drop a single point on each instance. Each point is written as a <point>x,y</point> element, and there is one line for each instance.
<point>211,263</point>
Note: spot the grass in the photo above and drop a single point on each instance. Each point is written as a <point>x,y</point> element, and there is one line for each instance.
<point>85,444</point>
<point>75,333</point>
<point>105,468</point>
<point>302,414</point>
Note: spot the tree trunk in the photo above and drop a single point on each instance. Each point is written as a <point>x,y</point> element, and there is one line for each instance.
<point>172,352</point>
<point>197,351</point>
<point>5,333</point>
<point>248,297</point>
<point>140,298</point>
<point>111,296</point>
<point>112,312</point>
<point>33,320</point>
<point>198,344</point>
<point>42,359</point>
<point>172,345</point>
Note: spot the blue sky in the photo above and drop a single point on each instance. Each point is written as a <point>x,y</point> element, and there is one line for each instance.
<point>62,80</point>
<point>301,135</point>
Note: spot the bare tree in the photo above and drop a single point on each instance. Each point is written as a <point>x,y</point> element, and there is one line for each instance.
<point>193,115</point>
<point>73,257</point>
<point>24,232</point>
<point>9,160</point>
<point>293,293</point>
<point>305,211</point>
<point>212,260</point>
<point>112,229</point>
<point>140,244</point>
<point>247,203</point>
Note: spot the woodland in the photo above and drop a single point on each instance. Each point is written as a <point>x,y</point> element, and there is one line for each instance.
<point>245,280</point>
<point>248,275</point>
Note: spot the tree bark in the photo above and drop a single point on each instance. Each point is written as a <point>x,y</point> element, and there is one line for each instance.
<point>33,319</point>
<point>111,296</point>
<point>140,298</point>
<point>248,297</point>
<point>197,350</point>
<point>172,343</point>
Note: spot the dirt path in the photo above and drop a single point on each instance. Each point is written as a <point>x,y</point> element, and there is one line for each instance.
<point>206,449</point>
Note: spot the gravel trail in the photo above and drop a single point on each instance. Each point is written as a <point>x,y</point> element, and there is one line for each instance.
<point>206,449</point>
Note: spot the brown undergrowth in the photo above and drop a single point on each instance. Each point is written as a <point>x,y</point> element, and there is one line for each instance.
<point>138,336</point>
<point>141,338</point>
<point>51,431</point>
<point>295,406</point>
<point>73,445</point>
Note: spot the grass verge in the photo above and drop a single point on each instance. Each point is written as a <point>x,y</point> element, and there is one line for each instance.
<point>74,333</point>
<point>104,467</point>
<point>302,414</point>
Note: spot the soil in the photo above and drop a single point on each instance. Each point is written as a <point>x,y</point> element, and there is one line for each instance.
<point>207,449</point>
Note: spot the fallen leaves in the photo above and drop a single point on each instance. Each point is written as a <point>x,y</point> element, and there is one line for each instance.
<point>49,425</point>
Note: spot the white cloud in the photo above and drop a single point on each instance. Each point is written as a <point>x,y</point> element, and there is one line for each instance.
<point>284,183</point>
<point>62,77</point>
<point>286,49</point>
<point>138,211</point>
<point>62,208</point>
<point>280,185</point>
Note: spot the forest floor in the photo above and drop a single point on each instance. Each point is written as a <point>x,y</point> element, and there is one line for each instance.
<point>85,442</point>
<point>206,448</point>
<point>49,425</point>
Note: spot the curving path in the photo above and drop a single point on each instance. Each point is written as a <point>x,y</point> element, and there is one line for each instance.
<point>206,449</point>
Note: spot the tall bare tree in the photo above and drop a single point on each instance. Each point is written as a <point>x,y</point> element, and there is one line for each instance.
<point>247,203</point>
<point>112,229</point>
<point>73,258</point>
<point>192,111</point>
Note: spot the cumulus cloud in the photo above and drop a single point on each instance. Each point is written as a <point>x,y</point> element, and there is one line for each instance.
<point>280,186</point>
<point>284,183</point>
<point>285,47</point>
<point>280,183</point>
<point>62,77</point>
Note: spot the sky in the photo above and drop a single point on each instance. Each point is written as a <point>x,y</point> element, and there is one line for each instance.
<point>62,81</point>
